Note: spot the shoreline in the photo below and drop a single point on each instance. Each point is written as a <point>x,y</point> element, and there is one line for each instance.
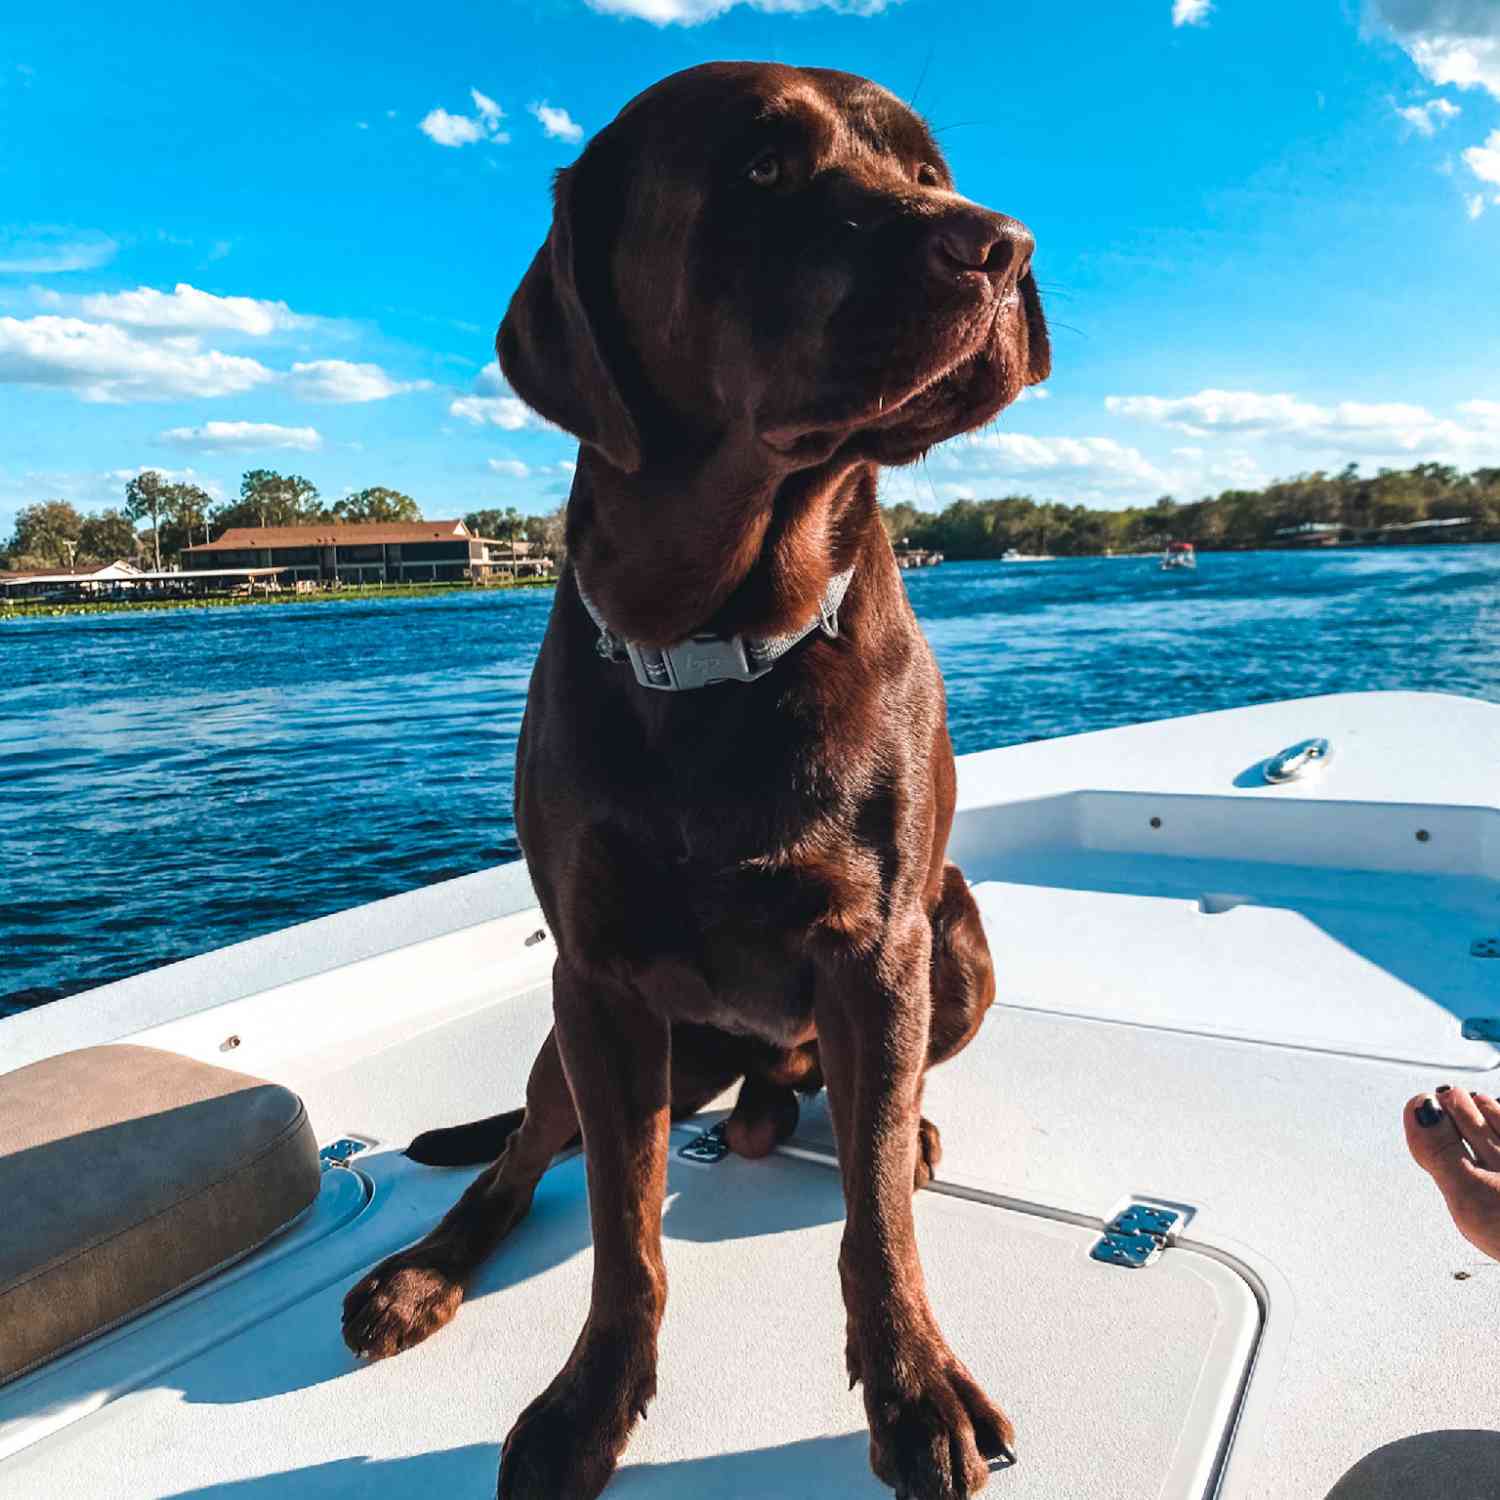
<point>38,610</point>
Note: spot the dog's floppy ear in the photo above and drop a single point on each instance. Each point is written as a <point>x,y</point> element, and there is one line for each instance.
<point>549,344</point>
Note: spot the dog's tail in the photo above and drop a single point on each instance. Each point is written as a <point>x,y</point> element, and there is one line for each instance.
<point>471,1145</point>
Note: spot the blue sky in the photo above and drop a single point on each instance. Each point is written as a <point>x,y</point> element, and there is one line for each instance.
<point>281,236</point>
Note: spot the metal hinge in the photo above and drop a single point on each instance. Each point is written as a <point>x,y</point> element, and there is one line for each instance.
<point>706,1149</point>
<point>337,1153</point>
<point>1137,1235</point>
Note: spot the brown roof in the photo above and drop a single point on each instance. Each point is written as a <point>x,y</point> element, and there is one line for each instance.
<point>334,533</point>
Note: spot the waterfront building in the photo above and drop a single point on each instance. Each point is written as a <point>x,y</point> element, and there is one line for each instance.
<point>70,583</point>
<point>370,552</point>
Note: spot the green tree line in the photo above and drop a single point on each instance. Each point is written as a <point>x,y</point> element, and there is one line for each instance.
<point>1233,519</point>
<point>158,517</point>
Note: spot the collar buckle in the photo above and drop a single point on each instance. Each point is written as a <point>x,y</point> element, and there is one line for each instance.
<point>699,661</point>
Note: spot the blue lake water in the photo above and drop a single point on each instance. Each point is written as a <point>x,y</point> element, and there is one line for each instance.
<point>173,782</point>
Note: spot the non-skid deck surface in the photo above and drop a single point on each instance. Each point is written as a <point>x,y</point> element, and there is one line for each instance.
<point>1293,1161</point>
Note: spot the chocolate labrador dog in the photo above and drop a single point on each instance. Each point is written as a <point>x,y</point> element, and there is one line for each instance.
<point>735,782</point>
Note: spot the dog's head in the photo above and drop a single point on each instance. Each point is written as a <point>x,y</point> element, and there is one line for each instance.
<point>777,253</point>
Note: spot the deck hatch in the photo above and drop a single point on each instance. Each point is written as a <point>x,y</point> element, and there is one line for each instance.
<point>753,1394</point>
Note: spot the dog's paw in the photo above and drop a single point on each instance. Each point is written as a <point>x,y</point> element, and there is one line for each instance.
<point>763,1118</point>
<point>401,1302</point>
<point>934,1435</point>
<point>929,1153</point>
<point>565,1445</point>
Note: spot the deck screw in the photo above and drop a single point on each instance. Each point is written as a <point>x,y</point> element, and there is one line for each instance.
<point>539,936</point>
<point>1156,822</point>
<point>229,1044</point>
<point>1423,835</point>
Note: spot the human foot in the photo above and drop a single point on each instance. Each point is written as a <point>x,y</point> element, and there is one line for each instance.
<point>1454,1136</point>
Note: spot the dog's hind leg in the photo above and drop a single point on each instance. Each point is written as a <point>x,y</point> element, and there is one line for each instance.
<point>963,974</point>
<point>963,988</point>
<point>765,1114</point>
<point>415,1292</point>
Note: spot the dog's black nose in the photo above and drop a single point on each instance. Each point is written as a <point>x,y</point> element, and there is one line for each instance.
<point>979,241</point>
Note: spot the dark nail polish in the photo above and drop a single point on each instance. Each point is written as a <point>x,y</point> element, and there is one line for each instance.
<point>1428,1114</point>
<point>1444,1088</point>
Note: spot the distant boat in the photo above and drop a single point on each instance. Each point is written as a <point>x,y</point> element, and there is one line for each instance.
<point>1012,555</point>
<point>1179,555</point>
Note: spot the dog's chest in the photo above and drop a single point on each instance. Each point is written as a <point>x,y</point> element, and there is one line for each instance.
<point>730,952</point>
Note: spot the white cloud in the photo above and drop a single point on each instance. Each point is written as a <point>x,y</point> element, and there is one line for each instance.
<point>1484,161</point>
<point>558,123</point>
<point>494,404</point>
<point>161,360</point>
<point>102,362</point>
<point>451,130</point>
<point>489,111</point>
<point>1034,393</point>
<point>567,466</point>
<point>1427,119</point>
<point>464,130</point>
<point>188,309</point>
<point>1190,12</point>
<point>1452,41</point>
<point>240,437</point>
<point>1474,204</point>
<point>695,12</point>
<point>509,412</point>
<point>1353,429</point>
<point>42,250</point>
<point>338,380</point>
<point>512,468</point>
<point>1020,454</point>
<point>172,476</point>
<point>1216,411</point>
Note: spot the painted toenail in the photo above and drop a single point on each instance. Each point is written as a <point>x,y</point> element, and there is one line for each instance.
<point>1428,1114</point>
<point>1444,1088</point>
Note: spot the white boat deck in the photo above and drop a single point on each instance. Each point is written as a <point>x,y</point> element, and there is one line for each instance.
<point>1223,1012</point>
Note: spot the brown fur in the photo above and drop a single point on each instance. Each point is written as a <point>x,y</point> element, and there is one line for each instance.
<point>746,881</point>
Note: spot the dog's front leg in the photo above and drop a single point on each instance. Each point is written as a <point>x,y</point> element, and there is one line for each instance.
<point>617,1055</point>
<point>931,1427</point>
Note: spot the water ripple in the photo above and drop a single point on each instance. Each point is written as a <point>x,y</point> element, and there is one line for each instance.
<point>171,783</point>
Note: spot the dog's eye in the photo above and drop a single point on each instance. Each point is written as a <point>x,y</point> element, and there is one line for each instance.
<point>929,176</point>
<point>764,171</point>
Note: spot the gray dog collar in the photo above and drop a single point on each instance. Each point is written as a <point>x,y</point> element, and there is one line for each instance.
<point>702,659</point>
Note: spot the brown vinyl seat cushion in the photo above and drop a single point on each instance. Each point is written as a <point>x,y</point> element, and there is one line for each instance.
<point>127,1174</point>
